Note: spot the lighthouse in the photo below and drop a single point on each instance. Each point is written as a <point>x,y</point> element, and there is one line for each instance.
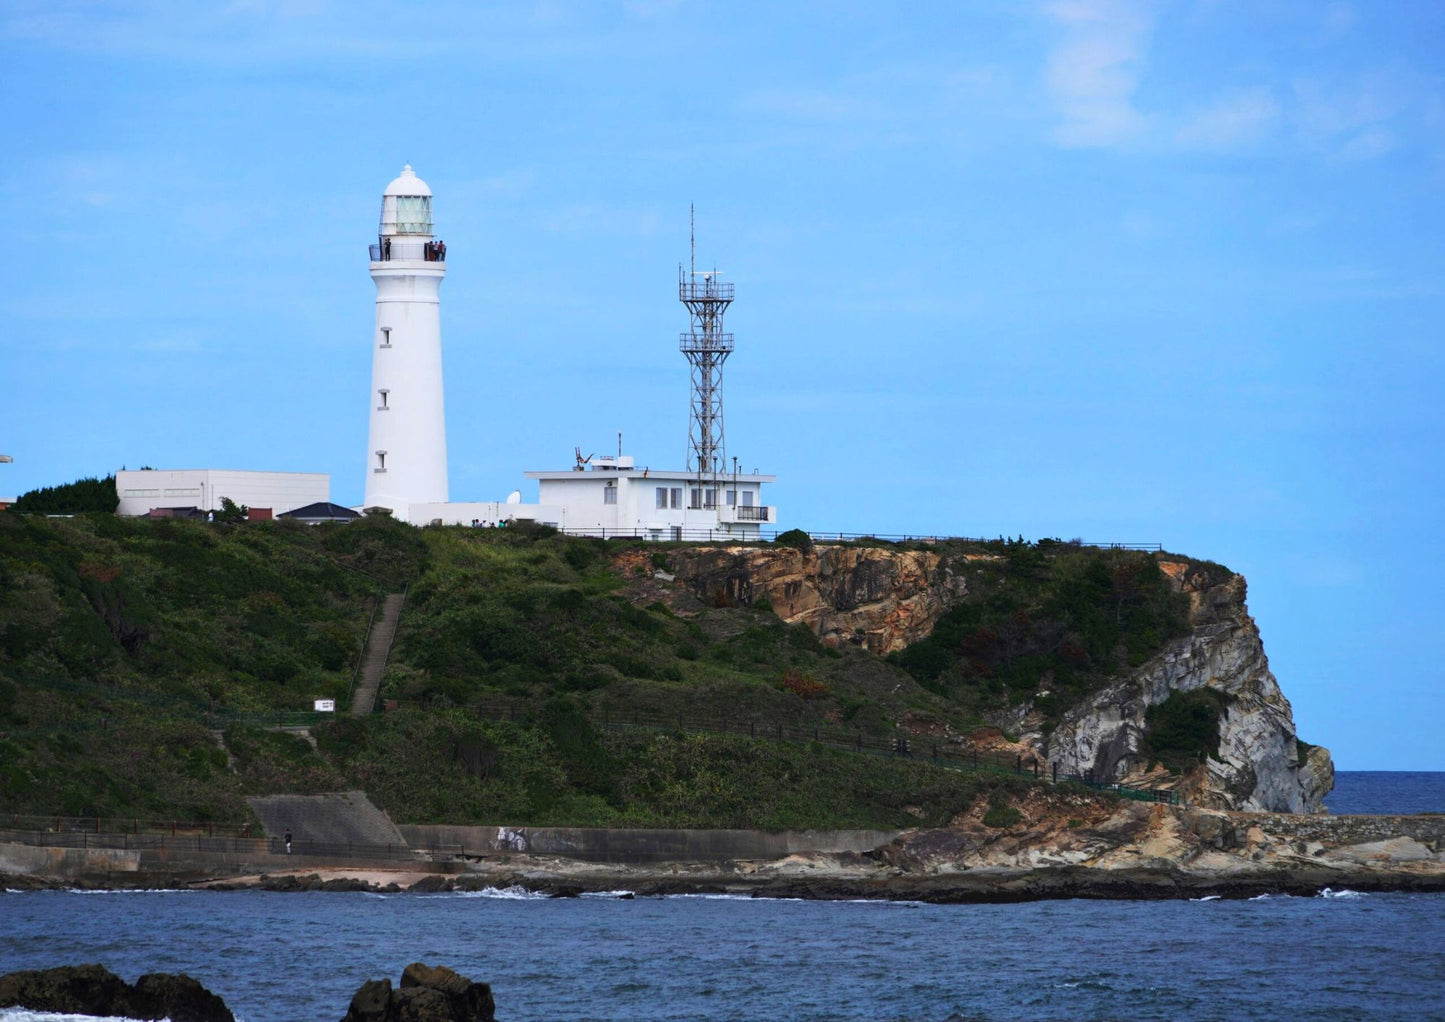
<point>406,452</point>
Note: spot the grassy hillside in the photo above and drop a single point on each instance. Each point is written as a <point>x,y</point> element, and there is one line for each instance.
<point>142,662</point>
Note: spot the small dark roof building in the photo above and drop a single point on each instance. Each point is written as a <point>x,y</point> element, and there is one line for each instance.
<point>322,511</point>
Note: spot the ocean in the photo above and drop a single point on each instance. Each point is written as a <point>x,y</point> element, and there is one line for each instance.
<point>299,957</point>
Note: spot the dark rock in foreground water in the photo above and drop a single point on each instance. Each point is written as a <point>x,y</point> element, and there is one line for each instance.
<point>426,995</point>
<point>95,990</point>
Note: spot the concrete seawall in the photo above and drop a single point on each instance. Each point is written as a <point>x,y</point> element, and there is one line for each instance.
<point>630,846</point>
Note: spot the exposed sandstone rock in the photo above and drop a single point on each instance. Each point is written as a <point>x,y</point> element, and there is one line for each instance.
<point>880,599</point>
<point>885,600</point>
<point>1258,768</point>
<point>95,990</point>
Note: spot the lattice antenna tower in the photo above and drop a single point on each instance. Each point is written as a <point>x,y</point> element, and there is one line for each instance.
<point>707,347</point>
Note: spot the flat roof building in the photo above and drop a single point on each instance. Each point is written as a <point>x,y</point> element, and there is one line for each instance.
<point>143,490</point>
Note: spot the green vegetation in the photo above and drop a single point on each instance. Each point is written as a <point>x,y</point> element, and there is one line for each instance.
<point>143,661</point>
<point>1183,730</point>
<point>77,498</point>
<point>1049,622</point>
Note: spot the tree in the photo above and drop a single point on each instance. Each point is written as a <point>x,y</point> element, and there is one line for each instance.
<point>231,511</point>
<point>90,494</point>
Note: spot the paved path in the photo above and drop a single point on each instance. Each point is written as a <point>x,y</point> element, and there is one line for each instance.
<point>378,648</point>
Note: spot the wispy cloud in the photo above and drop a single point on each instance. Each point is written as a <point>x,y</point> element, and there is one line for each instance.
<point>1096,68</point>
<point>1239,118</point>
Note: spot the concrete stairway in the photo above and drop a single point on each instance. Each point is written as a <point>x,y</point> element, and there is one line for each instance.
<point>378,648</point>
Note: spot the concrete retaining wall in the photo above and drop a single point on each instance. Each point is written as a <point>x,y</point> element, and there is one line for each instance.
<point>639,845</point>
<point>28,860</point>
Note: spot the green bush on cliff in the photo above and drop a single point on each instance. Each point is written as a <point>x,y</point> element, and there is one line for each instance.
<point>1183,731</point>
<point>1046,618</point>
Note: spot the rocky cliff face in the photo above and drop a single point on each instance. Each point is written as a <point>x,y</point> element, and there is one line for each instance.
<point>885,600</point>
<point>1260,766</point>
<point>880,599</point>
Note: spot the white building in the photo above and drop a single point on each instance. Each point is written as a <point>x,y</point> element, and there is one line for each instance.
<point>612,496</point>
<point>406,470</point>
<point>143,490</point>
<point>406,449</point>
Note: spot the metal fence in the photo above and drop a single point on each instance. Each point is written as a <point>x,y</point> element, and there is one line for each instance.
<point>720,534</point>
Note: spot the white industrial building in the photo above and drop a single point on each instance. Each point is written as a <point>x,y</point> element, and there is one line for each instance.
<point>144,490</point>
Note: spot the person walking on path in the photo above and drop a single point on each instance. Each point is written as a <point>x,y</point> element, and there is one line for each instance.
<point>288,840</point>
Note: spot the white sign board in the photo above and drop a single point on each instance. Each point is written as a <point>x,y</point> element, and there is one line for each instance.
<point>326,706</point>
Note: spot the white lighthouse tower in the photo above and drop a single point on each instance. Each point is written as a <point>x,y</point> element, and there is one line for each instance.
<point>406,452</point>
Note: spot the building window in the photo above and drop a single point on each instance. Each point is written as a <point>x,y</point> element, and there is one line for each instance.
<point>386,337</point>
<point>732,497</point>
<point>383,392</point>
<point>747,498</point>
<point>662,497</point>
<point>694,498</point>
<point>676,492</point>
<point>380,462</point>
<point>710,497</point>
<point>609,493</point>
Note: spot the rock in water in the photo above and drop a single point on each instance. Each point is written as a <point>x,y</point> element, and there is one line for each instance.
<point>95,990</point>
<point>177,997</point>
<point>426,994</point>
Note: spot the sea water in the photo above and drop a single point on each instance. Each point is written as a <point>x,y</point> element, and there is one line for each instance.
<point>299,957</point>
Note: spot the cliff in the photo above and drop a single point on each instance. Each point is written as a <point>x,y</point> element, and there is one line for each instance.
<point>1258,765</point>
<point>882,600</point>
<point>888,600</point>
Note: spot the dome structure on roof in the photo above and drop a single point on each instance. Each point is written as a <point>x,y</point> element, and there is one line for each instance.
<point>406,207</point>
<point>407,183</point>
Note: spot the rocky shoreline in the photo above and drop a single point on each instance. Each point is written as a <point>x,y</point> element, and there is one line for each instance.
<point>1061,847</point>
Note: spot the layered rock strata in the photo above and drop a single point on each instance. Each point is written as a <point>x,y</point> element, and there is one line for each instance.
<point>882,600</point>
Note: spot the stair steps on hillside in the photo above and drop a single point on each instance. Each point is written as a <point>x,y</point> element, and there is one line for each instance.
<point>378,649</point>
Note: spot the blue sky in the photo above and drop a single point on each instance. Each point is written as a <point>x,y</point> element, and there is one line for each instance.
<point>1165,272</point>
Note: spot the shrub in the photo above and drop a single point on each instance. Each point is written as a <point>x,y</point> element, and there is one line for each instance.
<point>800,684</point>
<point>1002,816</point>
<point>795,538</point>
<point>1183,730</point>
<point>79,497</point>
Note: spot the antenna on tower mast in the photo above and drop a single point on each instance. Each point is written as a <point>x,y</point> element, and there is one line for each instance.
<point>707,347</point>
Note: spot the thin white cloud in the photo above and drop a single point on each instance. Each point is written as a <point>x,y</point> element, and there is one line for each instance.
<point>1240,118</point>
<point>1369,144</point>
<point>1096,68</point>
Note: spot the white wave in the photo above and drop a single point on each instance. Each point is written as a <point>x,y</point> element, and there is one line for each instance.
<point>608,894</point>
<point>1262,897</point>
<point>128,890</point>
<point>504,893</point>
<point>1207,897</point>
<point>1330,893</point>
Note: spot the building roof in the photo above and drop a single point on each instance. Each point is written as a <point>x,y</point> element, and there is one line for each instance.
<point>322,511</point>
<point>660,474</point>
<point>407,183</point>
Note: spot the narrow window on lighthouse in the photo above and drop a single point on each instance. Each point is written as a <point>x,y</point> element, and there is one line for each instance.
<point>384,405</point>
<point>380,462</point>
<point>386,337</point>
